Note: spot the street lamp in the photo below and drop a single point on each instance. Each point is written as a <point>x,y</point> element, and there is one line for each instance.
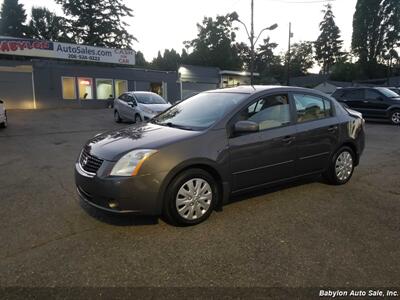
<point>250,35</point>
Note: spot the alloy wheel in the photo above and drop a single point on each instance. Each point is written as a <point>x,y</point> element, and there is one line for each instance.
<point>396,117</point>
<point>193,199</point>
<point>344,166</point>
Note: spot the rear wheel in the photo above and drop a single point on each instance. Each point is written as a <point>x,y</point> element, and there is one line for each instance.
<point>395,117</point>
<point>191,198</point>
<point>117,118</point>
<point>138,119</point>
<point>341,167</point>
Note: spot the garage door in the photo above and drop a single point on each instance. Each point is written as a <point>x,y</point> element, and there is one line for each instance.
<point>190,88</point>
<point>16,87</point>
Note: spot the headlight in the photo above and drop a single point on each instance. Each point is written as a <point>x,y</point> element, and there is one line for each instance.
<point>147,110</point>
<point>130,163</point>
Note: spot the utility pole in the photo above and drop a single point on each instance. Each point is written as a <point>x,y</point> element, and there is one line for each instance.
<point>288,56</point>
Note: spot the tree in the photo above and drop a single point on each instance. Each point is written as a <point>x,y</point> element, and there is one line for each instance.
<point>170,61</point>
<point>376,31</point>
<point>140,60</point>
<point>45,25</point>
<point>301,58</point>
<point>98,23</point>
<point>214,45</point>
<point>328,45</point>
<point>12,19</point>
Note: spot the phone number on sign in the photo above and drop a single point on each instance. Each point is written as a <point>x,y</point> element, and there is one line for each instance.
<point>83,57</point>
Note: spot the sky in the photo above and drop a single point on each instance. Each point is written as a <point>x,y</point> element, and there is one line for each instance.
<point>165,24</point>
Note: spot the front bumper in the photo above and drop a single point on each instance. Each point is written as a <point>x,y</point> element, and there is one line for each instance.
<point>138,195</point>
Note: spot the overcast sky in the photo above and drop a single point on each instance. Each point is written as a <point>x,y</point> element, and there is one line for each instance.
<point>161,24</point>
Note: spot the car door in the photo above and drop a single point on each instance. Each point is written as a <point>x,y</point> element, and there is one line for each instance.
<point>121,105</point>
<point>317,132</point>
<point>374,104</point>
<point>131,107</point>
<point>353,98</point>
<point>268,155</point>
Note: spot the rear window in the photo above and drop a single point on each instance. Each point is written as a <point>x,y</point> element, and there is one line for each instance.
<point>148,98</point>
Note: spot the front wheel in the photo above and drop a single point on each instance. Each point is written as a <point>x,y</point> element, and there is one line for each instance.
<point>191,198</point>
<point>395,117</point>
<point>341,167</point>
<point>117,117</point>
<point>4,124</point>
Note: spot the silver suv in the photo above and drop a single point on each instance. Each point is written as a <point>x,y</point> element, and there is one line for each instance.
<point>3,115</point>
<point>138,106</point>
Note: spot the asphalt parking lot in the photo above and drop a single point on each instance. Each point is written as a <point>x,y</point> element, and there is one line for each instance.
<point>304,235</point>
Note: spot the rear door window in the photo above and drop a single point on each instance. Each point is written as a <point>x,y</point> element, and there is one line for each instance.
<point>354,95</point>
<point>310,108</point>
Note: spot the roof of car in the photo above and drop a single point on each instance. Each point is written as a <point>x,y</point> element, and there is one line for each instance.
<point>249,89</point>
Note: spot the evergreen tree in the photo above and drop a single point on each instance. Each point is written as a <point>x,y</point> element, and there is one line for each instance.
<point>45,25</point>
<point>140,60</point>
<point>12,19</point>
<point>98,23</point>
<point>328,45</point>
<point>170,61</point>
<point>376,31</point>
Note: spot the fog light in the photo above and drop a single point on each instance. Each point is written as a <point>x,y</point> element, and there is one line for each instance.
<point>113,204</point>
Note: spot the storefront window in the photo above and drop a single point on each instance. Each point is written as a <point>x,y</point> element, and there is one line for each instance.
<point>68,88</point>
<point>104,89</point>
<point>85,88</point>
<point>121,86</point>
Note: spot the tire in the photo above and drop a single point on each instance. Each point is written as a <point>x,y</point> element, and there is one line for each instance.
<point>138,119</point>
<point>341,167</point>
<point>4,124</point>
<point>394,117</point>
<point>185,208</point>
<point>117,118</point>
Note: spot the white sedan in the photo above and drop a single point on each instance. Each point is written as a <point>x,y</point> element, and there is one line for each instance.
<point>3,115</point>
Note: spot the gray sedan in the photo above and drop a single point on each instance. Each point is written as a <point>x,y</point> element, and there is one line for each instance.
<point>192,158</point>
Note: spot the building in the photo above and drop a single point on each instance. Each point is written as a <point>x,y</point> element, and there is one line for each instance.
<point>44,74</point>
<point>196,79</point>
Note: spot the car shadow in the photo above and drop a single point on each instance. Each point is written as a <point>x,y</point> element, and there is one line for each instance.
<point>118,219</point>
<point>275,188</point>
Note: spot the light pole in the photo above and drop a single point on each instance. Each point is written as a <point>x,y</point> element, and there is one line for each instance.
<point>251,37</point>
<point>288,55</point>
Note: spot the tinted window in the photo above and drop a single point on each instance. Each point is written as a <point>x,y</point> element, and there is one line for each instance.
<point>387,92</point>
<point>353,94</point>
<point>372,95</point>
<point>201,111</point>
<point>147,98</point>
<point>268,112</point>
<point>311,108</point>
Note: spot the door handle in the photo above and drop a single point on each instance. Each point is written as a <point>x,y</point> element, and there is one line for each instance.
<point>288,139</point>
<point>332,128</point>
<point>365,101</point>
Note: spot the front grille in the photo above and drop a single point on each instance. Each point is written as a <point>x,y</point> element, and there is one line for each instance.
<point>89,163</point>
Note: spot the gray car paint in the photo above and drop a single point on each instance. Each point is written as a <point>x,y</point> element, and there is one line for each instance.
<point>238,163</point>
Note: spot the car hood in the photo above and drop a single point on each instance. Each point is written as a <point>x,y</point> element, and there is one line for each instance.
<point>113,145</point>
<point>156,107</point>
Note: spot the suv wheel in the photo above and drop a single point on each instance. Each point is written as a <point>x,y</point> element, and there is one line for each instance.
<point>138,119</point>
<point>395,117</point>
<point>117,118</point>
<point>341,167</point>
<point>191,198</point>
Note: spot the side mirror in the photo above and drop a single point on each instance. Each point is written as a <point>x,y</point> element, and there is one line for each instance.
<point>246,126</point>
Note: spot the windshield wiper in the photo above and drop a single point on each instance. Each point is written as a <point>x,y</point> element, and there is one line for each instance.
<point>170,124</point>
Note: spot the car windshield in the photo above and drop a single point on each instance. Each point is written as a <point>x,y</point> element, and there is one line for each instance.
<point>149,98</point>
<point>199,112</point>
<point>388,93</point>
